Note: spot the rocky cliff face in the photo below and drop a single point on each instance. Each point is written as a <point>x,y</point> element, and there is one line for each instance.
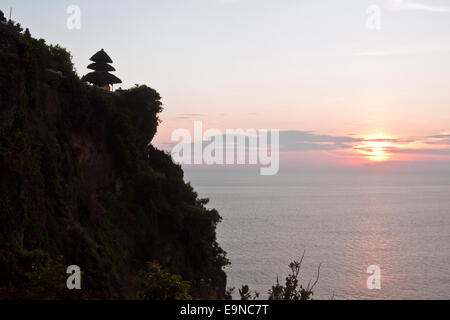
<point>80,185</point>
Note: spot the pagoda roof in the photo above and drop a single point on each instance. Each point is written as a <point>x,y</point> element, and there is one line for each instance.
<point>101,66</point>
<point>101,78</point>
<point>101,56</point>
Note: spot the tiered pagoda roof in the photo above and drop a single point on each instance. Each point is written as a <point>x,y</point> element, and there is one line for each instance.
<point>101,75</point>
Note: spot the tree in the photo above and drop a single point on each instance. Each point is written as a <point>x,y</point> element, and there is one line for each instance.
<point>154,283</point>
<point>246,294</point>
<point>292,290</point>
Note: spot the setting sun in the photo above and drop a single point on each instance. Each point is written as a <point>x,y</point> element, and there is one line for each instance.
<point>376,148</point>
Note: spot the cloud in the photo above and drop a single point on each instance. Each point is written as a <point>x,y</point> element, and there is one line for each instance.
<point>386,140</point>
<point>440,151</point>
<point>294,140</point>
<point>308,141</point>
<point>424,49</point>
<point>418,5</point>
<point>440,136</point>
<point>439,142</point>
<point>439,139</point>
<point>378,53</point>
<point>188,116</point>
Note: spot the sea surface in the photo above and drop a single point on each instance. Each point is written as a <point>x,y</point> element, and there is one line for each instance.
<point>344,221</point>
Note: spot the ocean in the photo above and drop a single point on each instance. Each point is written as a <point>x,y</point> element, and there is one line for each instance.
<point>344,221</point>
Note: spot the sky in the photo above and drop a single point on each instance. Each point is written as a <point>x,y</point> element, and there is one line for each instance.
<point>342,90</point>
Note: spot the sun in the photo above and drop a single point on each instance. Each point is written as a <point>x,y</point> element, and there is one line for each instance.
<point>376,147</point>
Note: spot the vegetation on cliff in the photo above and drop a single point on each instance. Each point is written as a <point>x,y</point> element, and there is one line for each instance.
<point>81,185</point>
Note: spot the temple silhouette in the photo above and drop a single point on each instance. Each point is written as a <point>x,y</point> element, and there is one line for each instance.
<point>101,76</point>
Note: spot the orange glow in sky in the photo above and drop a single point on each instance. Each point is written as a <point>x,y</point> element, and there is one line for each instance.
<point>376,148</point>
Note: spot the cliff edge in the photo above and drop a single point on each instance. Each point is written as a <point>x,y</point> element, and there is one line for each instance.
<point>81,185</point>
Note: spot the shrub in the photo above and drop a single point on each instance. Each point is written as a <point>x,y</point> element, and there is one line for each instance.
<point>154,283</point>
<point>292,290</point>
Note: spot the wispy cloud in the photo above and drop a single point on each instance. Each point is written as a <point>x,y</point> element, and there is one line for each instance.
<point>439,139</point>
<point>378,53</point>
<point>188,116</point>
<point>309,141</point>
<point>298,141</point>
<point>434,151</point>
<point>424,49</point>
<point>440,136</point>
<point>418,5</point>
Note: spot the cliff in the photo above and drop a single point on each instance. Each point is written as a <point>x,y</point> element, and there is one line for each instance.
<point>81,185</point>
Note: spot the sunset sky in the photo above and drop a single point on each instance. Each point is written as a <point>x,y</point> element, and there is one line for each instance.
<point>341,93</point>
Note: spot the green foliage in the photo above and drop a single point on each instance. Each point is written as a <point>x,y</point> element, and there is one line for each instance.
<point>45,273</point>
<point>61,59</point>
<point>41,56</point>
<point>16,26</point>
<point>131,124</point>
<point>154,283</point>
<point>31,275</point>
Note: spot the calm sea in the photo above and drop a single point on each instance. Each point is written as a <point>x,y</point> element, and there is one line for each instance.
<point>346,222</point>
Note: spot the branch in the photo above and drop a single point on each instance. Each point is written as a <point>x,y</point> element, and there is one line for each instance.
<point>317,280</point>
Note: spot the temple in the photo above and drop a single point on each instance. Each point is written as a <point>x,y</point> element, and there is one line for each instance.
<point>101,76</point>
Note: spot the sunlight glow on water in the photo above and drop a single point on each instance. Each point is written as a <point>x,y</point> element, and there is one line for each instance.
<point>347,223</point>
